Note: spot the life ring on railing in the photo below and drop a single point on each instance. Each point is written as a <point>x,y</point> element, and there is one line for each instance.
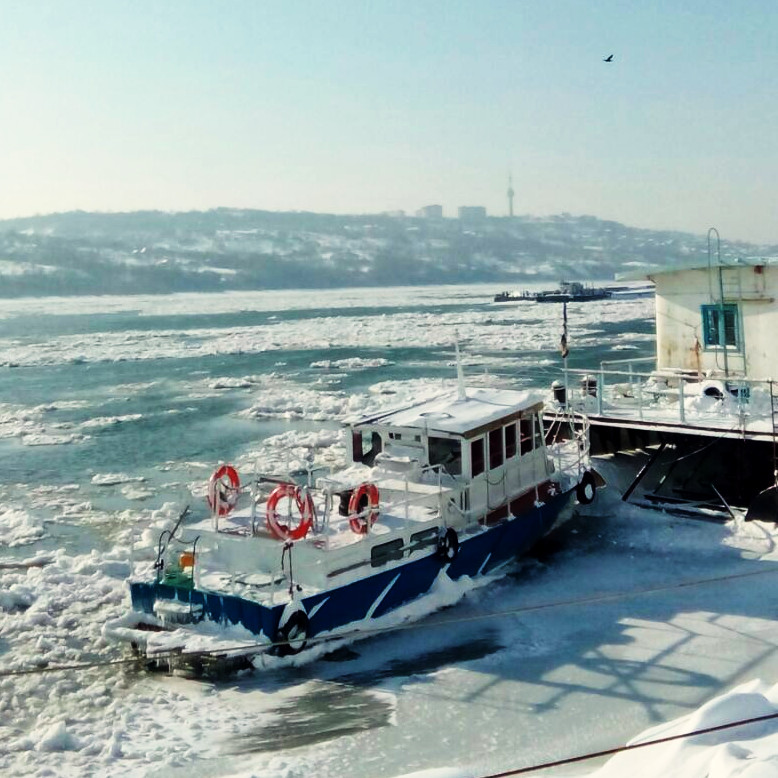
<point>304,504</point>
<point>363,498</point>
<point>586,489</point>
<point>223,490</point>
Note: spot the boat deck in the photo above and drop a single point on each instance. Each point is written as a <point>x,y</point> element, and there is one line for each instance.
<point>240,556</point>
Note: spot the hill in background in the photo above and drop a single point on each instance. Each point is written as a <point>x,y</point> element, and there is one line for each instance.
<point>222,249</point>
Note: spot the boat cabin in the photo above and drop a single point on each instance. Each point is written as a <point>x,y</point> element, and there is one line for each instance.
<point>490,441</point>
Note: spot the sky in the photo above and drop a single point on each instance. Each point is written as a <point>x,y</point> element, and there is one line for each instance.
<point>362,107</point>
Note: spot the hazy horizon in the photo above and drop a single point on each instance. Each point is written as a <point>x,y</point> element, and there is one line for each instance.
<point>118,107</point>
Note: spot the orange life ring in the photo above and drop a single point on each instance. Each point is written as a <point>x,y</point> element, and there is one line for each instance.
<point>304,503</point>
<point>363,498</point>
<point>223,488</point>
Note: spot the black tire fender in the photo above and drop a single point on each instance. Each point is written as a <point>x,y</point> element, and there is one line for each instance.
<point>586,490</point>
<point>292,635</point>
<point>448,545</point>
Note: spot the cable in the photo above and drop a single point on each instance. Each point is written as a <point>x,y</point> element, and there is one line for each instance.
<point>630,747</point>
<point>66,668</point>
<point>358,634</point>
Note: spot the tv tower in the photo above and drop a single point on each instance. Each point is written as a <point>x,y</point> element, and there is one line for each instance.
<point>510,195</point>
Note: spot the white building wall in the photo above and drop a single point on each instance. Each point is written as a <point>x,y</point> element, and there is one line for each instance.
<point>679,300</point>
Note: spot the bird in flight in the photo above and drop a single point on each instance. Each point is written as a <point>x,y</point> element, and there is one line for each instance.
<point>609,58</point>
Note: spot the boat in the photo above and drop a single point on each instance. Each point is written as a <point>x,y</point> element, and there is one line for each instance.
<point>443,491</point>
<point>568,292</point>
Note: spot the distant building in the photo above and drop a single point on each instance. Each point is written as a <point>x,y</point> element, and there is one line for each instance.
<point>472,213</point>
<point>430,212</point>
<point>393,214</point>
<point>511,194</point>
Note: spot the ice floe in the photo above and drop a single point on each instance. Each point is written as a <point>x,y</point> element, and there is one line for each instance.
<point>352,363</point>
<point>113,479</point>
<point>18,528</point>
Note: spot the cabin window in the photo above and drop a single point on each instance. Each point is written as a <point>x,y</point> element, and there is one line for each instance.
<point>538,428</point>
<point>366,445</point>
<point>510,441</point>
<point>446,452</point>
<point>477,457</point>
<point>720,325</point>
<point>525,435</point>
<point>495,448</point>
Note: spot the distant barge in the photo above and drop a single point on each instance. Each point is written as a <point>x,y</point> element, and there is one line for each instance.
<point>568,292</point>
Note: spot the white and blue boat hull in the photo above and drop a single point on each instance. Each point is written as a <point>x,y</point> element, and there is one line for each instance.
<point>374,595</point>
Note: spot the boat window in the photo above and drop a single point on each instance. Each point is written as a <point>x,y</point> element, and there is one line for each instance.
<point>477,457</point>
<point>395,436</point>
<point>380,555</point>
<point>356,445</point>
<point>720,325</point>
<point>446,452</point>
<point>495,448</point>
<point>366,445</point>
<point>538,428</point>
<point>423,539</point>
<point>525,433</point>
<point>510,441</point>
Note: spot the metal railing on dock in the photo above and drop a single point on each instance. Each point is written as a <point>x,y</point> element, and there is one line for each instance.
<point>668,395</point>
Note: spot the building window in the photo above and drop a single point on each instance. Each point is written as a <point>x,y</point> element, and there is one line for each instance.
<point>477,457</point>
<point>495,448</point>
<point>720,325</point>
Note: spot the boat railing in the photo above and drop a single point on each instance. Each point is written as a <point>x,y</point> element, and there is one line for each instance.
<point>176,560</point>
<point>669,395</point>
<point>567,441</point>
<point>400,487</point>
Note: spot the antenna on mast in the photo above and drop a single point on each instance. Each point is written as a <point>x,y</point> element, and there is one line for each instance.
<point>462,395</point>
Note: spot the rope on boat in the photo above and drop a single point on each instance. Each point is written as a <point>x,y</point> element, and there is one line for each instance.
<point>630,747</point>
<point>359,634</point>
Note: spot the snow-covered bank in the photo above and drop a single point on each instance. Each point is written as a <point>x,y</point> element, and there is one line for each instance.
<point>748,751</point>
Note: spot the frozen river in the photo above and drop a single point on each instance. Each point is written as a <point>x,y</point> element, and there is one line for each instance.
<point>535,684</point>
<point>112,415</point>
